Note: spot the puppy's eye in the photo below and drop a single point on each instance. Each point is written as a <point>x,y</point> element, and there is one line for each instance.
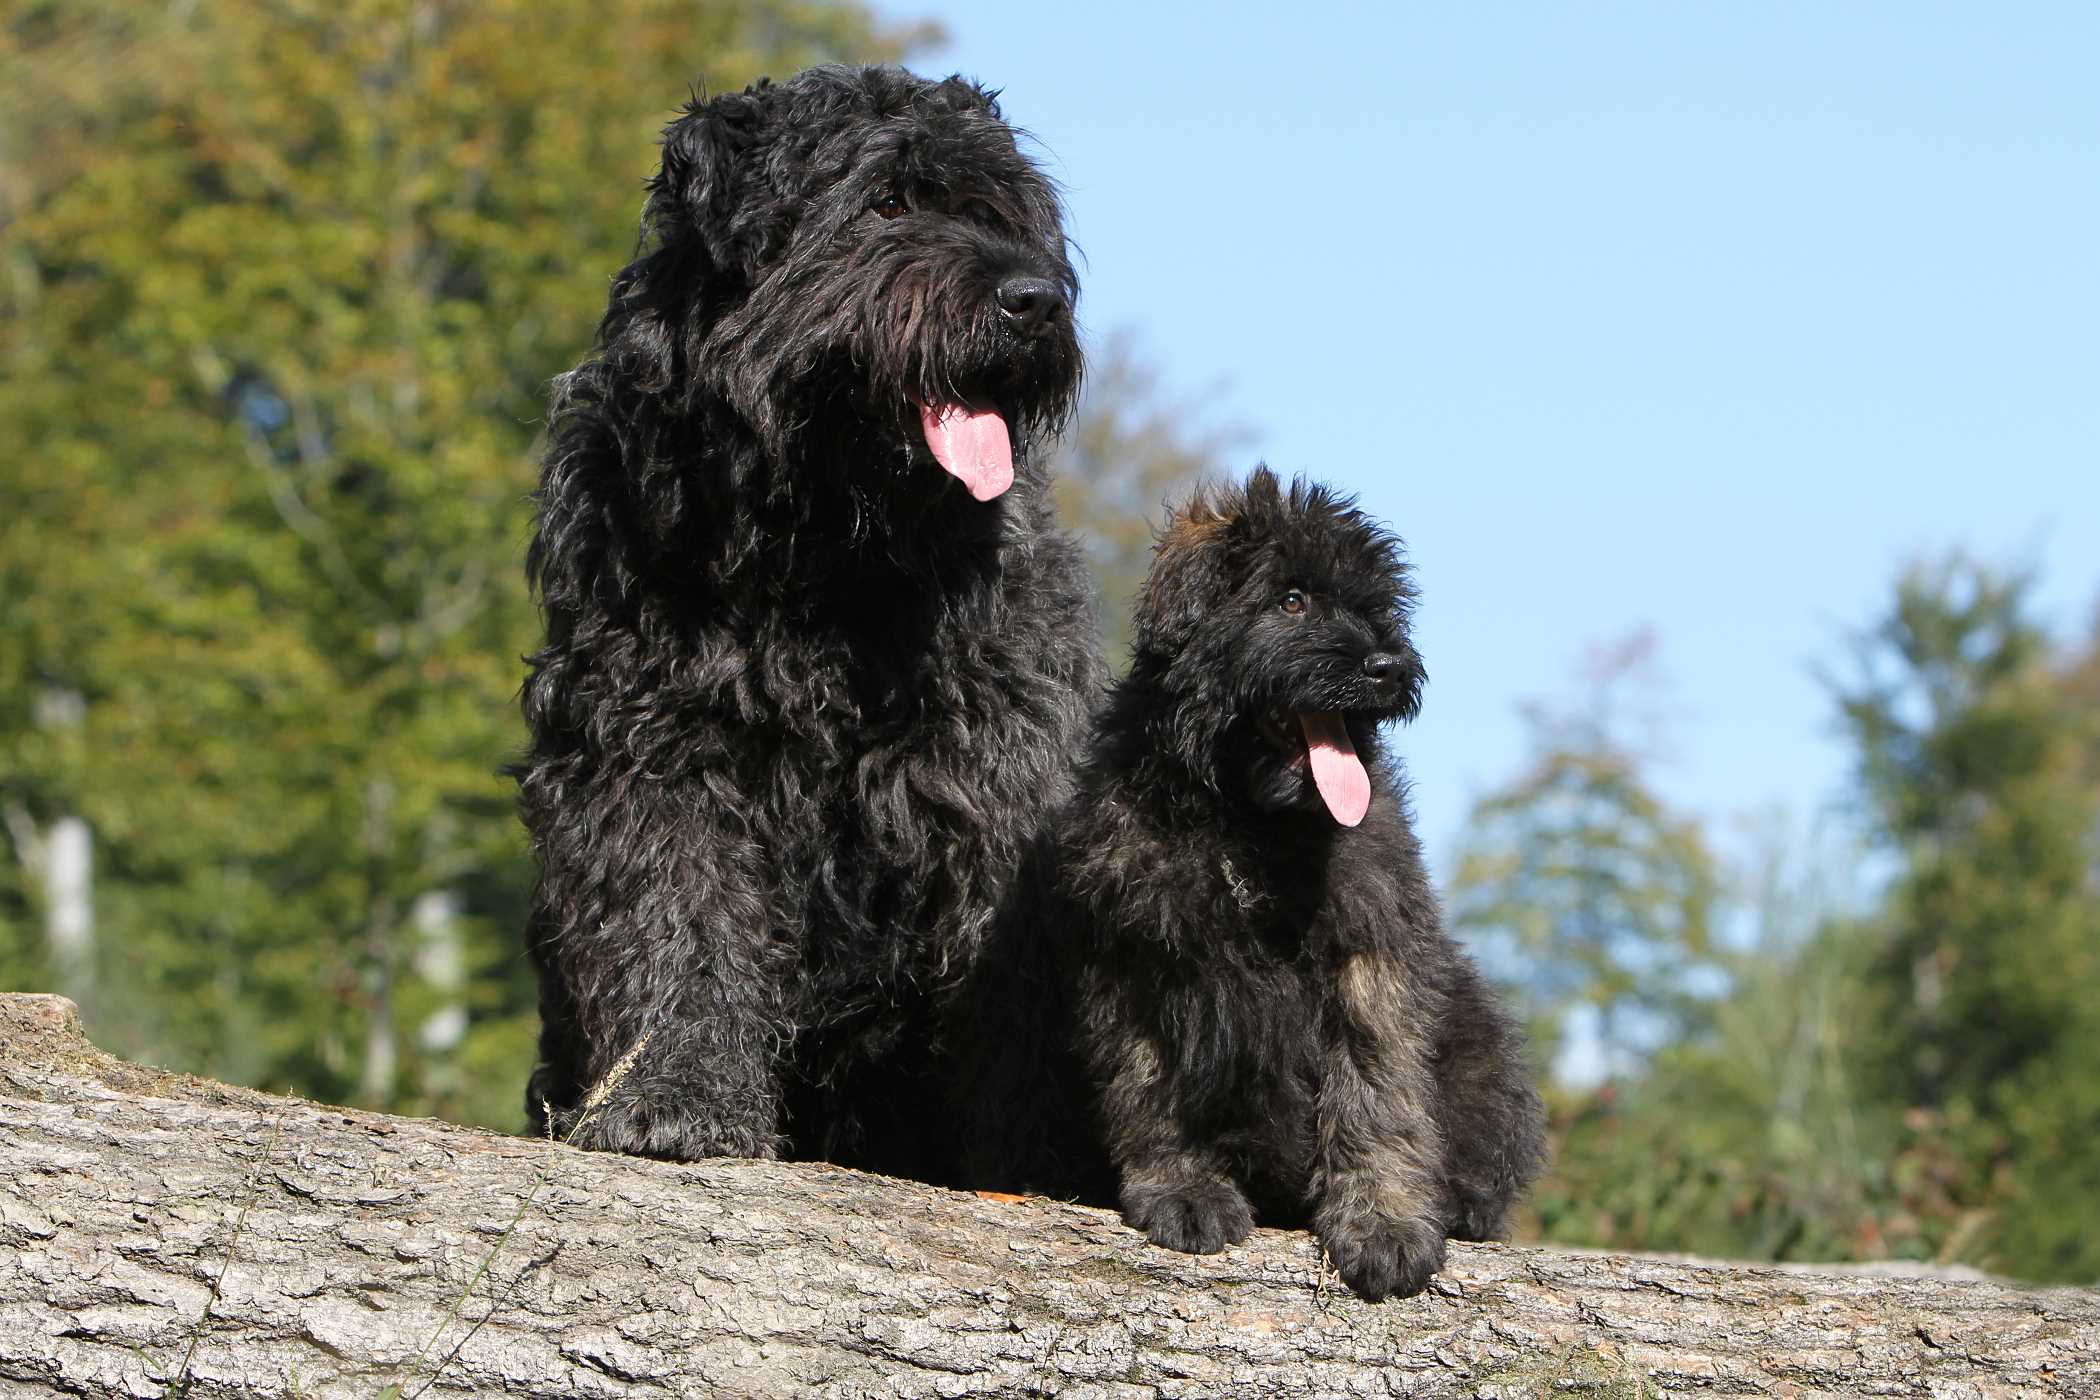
<point>889,204</point>
<point>1293,602</point>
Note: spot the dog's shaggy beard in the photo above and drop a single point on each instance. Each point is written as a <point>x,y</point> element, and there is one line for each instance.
<point>838,360</point>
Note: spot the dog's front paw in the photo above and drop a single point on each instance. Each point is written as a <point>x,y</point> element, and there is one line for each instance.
<point>1383,1256</point>
<point>1195,1217</point>
<point>647,1126</point>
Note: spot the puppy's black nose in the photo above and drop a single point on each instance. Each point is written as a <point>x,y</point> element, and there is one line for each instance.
<point>1030,303</point>
<point>1384,667</point>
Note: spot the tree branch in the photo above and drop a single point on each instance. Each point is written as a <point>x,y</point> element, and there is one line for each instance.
<point>284,1247</point>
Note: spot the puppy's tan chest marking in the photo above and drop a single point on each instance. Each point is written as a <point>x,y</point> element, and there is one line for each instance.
<point>1373,987</point>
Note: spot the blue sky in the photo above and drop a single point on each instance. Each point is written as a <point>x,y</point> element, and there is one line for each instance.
<point>1702,318</point>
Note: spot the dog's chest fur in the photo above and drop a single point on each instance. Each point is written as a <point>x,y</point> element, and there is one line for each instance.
<point>914,731</point>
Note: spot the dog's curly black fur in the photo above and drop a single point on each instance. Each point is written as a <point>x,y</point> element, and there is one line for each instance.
<point>803,692</point>
<point>1251,965</point>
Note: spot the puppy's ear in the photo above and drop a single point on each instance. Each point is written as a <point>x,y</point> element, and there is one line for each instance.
<point>1263,491</point>
<point>1255,513</point>
<point>1188,576</point>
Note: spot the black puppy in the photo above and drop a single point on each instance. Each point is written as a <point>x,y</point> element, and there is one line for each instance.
<point>816,650</point>
<point>1235,917</point>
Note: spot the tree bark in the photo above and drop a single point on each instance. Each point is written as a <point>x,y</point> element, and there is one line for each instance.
<point>161,1234</point>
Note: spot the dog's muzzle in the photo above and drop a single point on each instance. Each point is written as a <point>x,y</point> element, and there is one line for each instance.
<point>1031,305</point>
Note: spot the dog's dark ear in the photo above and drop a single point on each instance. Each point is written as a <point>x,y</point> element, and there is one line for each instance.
<point>690,262</point>
<point>699,189</point>
<point>1263,492</point>
<point>1188,576</point>
<point>1257,510</point>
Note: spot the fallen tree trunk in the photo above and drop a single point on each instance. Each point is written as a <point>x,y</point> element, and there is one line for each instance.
<point>161,1234</point>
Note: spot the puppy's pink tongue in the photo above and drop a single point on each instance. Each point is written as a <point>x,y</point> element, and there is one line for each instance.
<point>1336,770</point>
<point>972,444</point>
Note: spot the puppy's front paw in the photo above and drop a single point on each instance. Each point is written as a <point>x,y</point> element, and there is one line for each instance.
<point>1382,1256</point>
<point>1195,1217</point>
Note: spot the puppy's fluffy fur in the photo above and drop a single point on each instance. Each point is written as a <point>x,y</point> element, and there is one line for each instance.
<point>1247,964</point>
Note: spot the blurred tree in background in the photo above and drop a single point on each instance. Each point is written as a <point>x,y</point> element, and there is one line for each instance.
<point>1579,872</point>
<point>1128,450</point>
<point>1909,1075</point>
<point>1978,746</point>
<point>1744,1138</point>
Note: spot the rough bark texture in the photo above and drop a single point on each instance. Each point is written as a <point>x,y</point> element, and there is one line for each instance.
<point>160,1234</point>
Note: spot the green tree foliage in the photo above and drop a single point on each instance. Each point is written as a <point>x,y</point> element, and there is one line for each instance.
<point>1580,875</point>
<point>1744,1138</point>
<point>283,284</point>
<point>1977,755</point>
<point>1912,1076</point>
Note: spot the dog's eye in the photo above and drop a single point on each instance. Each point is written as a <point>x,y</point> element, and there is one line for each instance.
<point>1293,602</point>
<point>889,204</point>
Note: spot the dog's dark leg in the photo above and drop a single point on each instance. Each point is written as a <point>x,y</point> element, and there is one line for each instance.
<point>1182,1198</point>
<point>1493,1122</point>
<point>665,1036</point>
<point>1377,1189</point>
<point>1173,1187</point>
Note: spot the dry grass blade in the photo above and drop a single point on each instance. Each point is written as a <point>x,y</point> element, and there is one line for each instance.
<point>592,1102</point>
<point>181,1384</point>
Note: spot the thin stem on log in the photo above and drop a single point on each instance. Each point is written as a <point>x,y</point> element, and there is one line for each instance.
<point>127,1267</point>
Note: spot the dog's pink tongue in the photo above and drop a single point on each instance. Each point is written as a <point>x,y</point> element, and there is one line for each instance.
<point>972,444</point>
<point>1336,769</point>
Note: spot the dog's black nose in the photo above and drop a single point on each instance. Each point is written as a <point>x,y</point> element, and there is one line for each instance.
<point>1384,667</point>
<point>1030,303</point>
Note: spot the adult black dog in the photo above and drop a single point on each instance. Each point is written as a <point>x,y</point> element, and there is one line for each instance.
<point>1234,917</point>
<point>816,652</point>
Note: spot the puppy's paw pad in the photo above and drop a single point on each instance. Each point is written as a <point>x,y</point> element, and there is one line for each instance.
<point>1196,1218</point>
<point>1382,1258</point>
